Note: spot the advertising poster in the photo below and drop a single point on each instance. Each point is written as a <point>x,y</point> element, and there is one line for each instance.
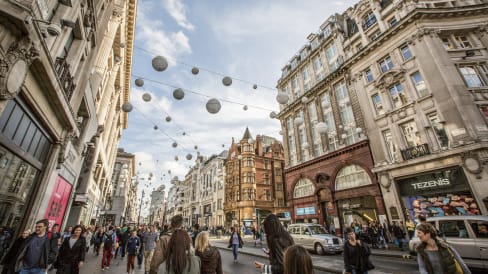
<point>58,201</point>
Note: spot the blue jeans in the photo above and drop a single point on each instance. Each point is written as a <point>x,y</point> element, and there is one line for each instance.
<point>235,248</point>
<point>355,272</point>
<point>33,270</point>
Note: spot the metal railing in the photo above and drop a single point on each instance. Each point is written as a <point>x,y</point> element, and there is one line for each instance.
<point>415,152</point>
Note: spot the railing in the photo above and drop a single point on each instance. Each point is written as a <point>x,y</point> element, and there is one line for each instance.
<point>67,80</point>
<point>415,152</point>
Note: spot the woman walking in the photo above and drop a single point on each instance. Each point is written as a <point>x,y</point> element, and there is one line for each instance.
<point>278,240</point>
<point>435,256</point>
<point>133,244</point>
<point>298,261</point>
<point>235,241</point>
<point>72,252</point>
<point>180,258</point>
<point>356,255</point>
<point>211,262</point>
<point>97,242</point>
<point>9,258</point>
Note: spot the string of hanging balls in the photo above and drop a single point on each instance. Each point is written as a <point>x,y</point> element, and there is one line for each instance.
<point>213,105</point>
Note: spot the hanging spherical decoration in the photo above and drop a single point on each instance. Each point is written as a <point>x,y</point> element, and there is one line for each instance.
<point>305,145</point>
<point>298,121</point>
<point>213,106</point>
<point>175,144</point>
<point>184,133</point>
<point>244,107</point>
<point>176,158</point>
<point>272,115</point>
<point>146,97</point>
<point>282,98</point>
<point>155,127</point>
<point>139,82</point>
<point>127,107</point>
<point>304,99</point>
<point>227,81</point>
<point>195,70</point>
<point>168,119</point>
<point>169,171</point>
<point>195,147</point>
<point>178,94</point>
<point>159,63</point>
<point>223,145</point>
<point>255,86</point>
<point>188,156</point>
<point>344,136</point>
<point>321,127</point>
<point>359,130</point>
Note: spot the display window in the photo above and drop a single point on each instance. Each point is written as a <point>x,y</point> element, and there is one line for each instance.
<point>441,205</point>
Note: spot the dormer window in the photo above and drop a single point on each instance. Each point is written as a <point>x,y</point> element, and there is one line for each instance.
<point>327,32</point>
<point>369,20</point>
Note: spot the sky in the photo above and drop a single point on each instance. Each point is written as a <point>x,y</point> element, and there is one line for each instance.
<point>249,41</point>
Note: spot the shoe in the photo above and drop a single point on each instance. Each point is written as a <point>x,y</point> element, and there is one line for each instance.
<point>107,267</point>
<point>103,268</point>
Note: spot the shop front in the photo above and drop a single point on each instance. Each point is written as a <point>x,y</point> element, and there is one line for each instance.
<point>306,214</point>
<point>360,209</point>
<point>440,193</point>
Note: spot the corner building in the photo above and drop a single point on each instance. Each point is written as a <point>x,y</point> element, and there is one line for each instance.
<point>401,83</point>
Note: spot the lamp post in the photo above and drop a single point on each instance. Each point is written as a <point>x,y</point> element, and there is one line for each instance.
<point>140,208</point>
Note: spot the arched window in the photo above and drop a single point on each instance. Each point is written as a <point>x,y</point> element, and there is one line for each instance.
<point>352,176</point>
<point>303,188</point>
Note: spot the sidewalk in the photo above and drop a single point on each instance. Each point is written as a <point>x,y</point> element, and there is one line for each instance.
<point>322,265</point>
<point>117,266</point>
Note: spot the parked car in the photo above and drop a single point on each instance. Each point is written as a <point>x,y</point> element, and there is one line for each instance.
<point>463,233</point>
<point>315,237</point>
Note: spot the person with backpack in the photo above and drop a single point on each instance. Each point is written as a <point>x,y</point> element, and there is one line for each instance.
<point>97,241</point>
<point>133,243</point>
<point>109,239</point>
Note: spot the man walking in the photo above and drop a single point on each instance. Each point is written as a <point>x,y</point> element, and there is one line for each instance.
<point>162,245</point>
<point>149,239</point>
<point>36,253</point>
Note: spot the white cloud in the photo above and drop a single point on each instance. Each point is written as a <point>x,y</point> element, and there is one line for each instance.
<point>177,10</point>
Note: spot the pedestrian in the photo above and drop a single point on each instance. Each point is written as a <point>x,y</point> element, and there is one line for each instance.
<point>72,253</point>
<point>399,234</point>
<point>180,258</point>
<point>140,255</point>
<point>97,242</point>
<point>162,245</point>
<point>8,260</point>
<point>235,241</point>
<point>410,228</point>
<point>149,239</point>
<point>88,237</point>
<point>210,259</point>
<point>195,231</point>
<point>278,239</point>
<point>4,240</point>
<point>436,256</point>
<point>133,244</point>
<point>118,250</point>
<point>67,233</point>
<point>35,253</point>
<point>109,240</point>
<point>297,261</point>
<point>356,255</point>
<point>126,234</point>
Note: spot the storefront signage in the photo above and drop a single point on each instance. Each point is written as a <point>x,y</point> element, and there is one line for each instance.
<point>431,184</point>
<point>305,210</point>
<point>58,201</point>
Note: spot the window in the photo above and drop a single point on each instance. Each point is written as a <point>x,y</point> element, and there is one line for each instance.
<point>393,21</point>
<point>453,229</point>
<point>439,131</point>
<point>480,228</point>
<point>385,64</point>
<point>281,202</point>
<point>352,176</point>
<point>375,36</point>
<point>330,122</point>
<point>318,67</point>
<point>346,114</point>
<point>411,134</point>
<point>332,60</point>
<point>327,32</point>
<point>390,145</point>
<point>378,106</point>
<point>397,95</point>
<point>369,20</point>
<point>446,42</point>
<point>303,188</point>
<point>306,78</point>
<point>315,43</point>
<point>295,87</point>
<point>474,75</point>
<point>419,84</point>
<point>290,129</point>
<point>68,44</point>
<point>317,141</point>
<point>406,54</point>
<point>369,75</point>
<point>463,42</point>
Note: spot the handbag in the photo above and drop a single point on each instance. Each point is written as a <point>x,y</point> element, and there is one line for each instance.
<point>459,269</point>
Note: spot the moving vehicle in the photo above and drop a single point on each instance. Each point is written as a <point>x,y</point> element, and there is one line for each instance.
<point>464,233</point>
<point>315,237</point>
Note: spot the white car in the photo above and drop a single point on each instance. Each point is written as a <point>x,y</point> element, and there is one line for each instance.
<point>315,237</point>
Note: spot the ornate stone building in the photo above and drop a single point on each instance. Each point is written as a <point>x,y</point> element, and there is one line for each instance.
<point>396,82</point>
<point>254,181</point>
<point>50,115</point>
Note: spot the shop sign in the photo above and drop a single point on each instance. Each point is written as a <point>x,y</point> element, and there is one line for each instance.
<point>431,184</point>
<point>305,210</point>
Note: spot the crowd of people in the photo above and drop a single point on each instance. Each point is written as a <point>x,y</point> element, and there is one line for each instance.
<point>177,251</point>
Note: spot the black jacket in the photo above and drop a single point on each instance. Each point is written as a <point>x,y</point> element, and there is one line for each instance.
<point>9,259</point>
<point>211,262</point>
<point>241,242</point>
<point>69,257</point>
<point>357,257</point>
<point>47,257</point>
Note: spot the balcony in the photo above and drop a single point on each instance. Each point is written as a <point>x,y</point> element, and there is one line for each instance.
<point>67,80</point>
<point>415,152</point>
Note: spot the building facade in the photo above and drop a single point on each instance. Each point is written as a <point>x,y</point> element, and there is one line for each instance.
<point>156,207</point>
<point>47,51</point>
<point>254,181</point>
<point>390,92</point>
